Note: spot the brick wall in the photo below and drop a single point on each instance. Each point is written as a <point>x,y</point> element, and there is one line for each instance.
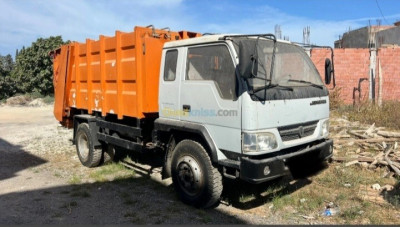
<point>389,59</point>
<point>352,64</point>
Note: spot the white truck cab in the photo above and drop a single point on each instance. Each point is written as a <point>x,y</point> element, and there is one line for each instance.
<point>250,102</point>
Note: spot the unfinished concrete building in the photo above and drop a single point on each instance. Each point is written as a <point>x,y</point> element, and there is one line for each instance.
<point>376,36</point>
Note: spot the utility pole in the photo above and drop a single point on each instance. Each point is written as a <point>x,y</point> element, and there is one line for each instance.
<point>278,32</point>
<point>372,62</point>
<point>306,35</point>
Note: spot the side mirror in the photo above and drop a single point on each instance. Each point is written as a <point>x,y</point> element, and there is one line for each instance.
<point>248,64</point>
<point>328,71</point>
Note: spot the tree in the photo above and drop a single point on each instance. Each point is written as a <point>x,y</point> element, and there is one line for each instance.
<point>7,84</point>
<point>8,87</point>
<point>6,64</point>
<point>33,70</point>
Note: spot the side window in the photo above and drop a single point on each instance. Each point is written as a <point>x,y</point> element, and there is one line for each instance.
<point>212,63</point>
<point>171,57</point>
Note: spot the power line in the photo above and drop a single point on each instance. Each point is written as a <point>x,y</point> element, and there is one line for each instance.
<point>380,10</point>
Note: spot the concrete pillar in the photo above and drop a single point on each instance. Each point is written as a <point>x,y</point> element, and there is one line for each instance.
<point>372,66</point>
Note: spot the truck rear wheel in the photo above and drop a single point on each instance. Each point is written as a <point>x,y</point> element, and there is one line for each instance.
<point>108,154</point>
<point>195,179</point>
<point>88,155</point>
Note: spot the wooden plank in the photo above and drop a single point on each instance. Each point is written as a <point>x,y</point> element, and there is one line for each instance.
<point>389,134</point>
<point>359,159</point>
<point>369,140</point>
<point>358,135</point>
<point>395,169</point>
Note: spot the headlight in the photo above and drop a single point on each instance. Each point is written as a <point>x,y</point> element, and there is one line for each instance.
<point>325,128</point>
<point>258,142</point>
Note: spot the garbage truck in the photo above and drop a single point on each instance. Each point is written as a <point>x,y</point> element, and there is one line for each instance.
<point>216,106</point>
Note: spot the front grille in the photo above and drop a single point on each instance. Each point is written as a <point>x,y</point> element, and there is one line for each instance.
<point>297,131</point>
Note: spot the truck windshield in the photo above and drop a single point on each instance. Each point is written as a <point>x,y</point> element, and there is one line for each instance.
<point>293,70</point>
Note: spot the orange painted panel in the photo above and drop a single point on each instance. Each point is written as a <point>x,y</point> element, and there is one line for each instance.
<point>60,56</point>
<point>96,103</point>
<point>72,95</point>
<point>96,71</point>
<point>111,97</point>
<point>110,44</point>
<point>82,96</point>
<point>150,93</point>
<point>129,97</point>
<point>128,40</point>
<point>128,70</point>
<point>95,66</point>
<point>95,47</point>
<point>82,72</point>
<point>82,49</point>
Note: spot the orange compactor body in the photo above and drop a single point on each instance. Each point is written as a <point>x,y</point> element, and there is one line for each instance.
<point>113,75</point>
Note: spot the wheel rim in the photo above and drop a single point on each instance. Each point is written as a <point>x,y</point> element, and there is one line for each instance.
<point>190,175</point>
<point>83,146</point>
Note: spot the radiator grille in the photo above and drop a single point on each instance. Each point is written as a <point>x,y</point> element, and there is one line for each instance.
<point>297,131</point>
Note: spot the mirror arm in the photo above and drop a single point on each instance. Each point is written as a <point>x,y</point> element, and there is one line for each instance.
<point>333,67</point>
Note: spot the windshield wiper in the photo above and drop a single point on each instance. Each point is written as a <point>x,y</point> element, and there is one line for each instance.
<point>272,86</point>
<point>308,82</point>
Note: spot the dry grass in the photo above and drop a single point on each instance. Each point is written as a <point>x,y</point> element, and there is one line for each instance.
<point>353,208</point>
<point>388,115</point>
<point>329,186</point>
<point>335,100</point>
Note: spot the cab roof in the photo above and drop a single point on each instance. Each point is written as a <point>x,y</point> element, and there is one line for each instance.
<point>202,40</point>
<point>192,41</point>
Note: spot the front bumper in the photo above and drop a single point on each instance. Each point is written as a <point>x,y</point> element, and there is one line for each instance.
<point>261,170</point>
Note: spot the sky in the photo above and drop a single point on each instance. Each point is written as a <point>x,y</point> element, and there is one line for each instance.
<point>24,21</point>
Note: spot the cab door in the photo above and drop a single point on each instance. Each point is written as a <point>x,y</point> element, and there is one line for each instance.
<point>170,79</point>
<point>208,95</point>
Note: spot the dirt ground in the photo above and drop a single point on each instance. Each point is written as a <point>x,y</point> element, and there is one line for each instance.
<point>43,182</point>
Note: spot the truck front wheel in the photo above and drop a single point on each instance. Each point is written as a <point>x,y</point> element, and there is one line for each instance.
<point>88,155</point>
<point>196,180</point>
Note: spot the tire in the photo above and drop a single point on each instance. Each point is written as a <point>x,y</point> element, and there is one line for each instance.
<point>88,155</point>
<point>195,179</point>
<point>108,154</point>
<point>114,152</point>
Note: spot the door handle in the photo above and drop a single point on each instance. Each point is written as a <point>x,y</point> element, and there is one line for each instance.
<point>186,108</point>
